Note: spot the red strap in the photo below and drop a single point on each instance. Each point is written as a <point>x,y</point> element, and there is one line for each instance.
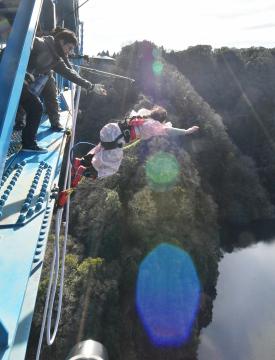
<point>62,199</point>
<point>138,121</point>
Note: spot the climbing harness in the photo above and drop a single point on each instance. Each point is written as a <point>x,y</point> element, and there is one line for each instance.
<point>127,133</point>
<point>110,145</point>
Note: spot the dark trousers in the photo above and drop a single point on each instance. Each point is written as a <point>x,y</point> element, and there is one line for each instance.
<point>33,108</point>
<point>49,96</point>
<point>87,162</point>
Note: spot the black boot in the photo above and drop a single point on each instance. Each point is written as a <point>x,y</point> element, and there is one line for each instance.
<point>56,125</point>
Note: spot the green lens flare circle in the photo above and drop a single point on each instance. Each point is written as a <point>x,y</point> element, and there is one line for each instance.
<point>157,67</point>
<point>162,170</point>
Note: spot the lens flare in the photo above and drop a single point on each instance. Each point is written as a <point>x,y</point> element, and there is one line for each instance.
<point>167,295</point>
<point>157,53</point>
<point>157,67</point>
<point>162,171</point>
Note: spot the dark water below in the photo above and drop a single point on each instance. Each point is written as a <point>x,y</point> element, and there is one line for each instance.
<point>243,323</point>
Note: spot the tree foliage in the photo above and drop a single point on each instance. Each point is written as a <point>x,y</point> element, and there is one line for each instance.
<point>224,177</point>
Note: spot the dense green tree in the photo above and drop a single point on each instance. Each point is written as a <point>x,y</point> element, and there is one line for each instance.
<point>240,87</point>
<point>223,176</point>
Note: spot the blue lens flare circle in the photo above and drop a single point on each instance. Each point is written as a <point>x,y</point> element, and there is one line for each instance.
<point>167,295</point>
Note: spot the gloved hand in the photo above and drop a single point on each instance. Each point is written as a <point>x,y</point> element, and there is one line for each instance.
<point>98,89</point>
<point>29,78</point>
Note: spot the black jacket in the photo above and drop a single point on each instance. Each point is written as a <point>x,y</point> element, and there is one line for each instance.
<point>44,57</point>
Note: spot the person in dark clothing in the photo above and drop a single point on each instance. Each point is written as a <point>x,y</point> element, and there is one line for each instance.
<point>48,53</point>
<point>20,119</point>
<point>49,93</point>
<point>49,97</point>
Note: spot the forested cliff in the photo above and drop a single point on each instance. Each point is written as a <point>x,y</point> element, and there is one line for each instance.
<point>223,176</point>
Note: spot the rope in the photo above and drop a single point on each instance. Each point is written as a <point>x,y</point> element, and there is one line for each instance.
<point>131,145</point>
<point>51,291</point>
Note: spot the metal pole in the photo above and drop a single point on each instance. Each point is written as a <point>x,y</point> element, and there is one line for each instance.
<point>88,350</point>
<point>104,73</point>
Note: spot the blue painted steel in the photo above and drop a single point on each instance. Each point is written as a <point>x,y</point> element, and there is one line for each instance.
<point>22,245</point>
<point>13,67</point>
<point>81,28</point>
<point>4,337</point>
<point>25,196</point>
<point>68,14</point>
<point>47,20</point>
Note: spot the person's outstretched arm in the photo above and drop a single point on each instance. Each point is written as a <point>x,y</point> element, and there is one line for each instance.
<point>177,131</point>
<point>72,75</point>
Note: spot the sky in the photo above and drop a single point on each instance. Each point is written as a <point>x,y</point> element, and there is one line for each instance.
<point>177,24</point>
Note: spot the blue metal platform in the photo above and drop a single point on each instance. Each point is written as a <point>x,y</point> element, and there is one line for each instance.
<point>26,206</point>
<point>26,210</point>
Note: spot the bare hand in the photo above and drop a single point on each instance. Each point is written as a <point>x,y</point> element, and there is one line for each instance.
<point>191,130</point>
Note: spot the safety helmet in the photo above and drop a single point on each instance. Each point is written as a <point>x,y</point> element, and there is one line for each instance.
<point>111,136</point>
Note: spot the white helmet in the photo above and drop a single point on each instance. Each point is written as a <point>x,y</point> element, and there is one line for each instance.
<point>111,133</point>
